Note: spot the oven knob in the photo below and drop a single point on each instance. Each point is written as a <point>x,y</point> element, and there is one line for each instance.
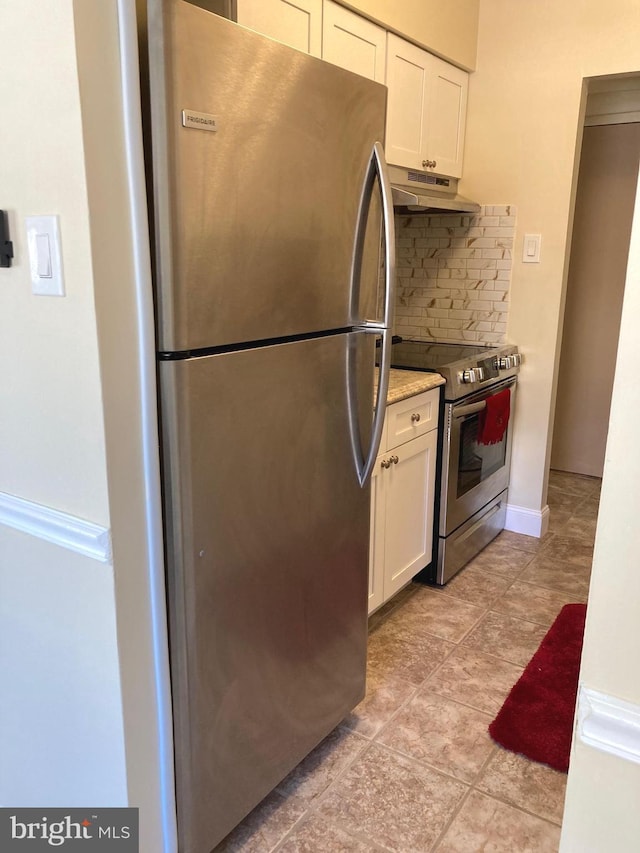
<point>473,374</point>
<point>506,362</point>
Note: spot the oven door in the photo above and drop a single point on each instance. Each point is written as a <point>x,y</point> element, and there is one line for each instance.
<point>472,473</point>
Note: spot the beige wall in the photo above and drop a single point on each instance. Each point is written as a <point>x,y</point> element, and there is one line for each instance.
<point>61,726</point>
<point>595,287</point>
<point>76,658</point>
<point>58,619</point>
<point>523,129</point>
<point>51,436</point>
<point>603,792</point>
<point>446,27</point>
<point>525,115</point>
<point>119,303</point>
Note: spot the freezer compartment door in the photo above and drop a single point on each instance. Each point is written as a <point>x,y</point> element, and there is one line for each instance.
<point>260,153</point>
<point>267,530</point>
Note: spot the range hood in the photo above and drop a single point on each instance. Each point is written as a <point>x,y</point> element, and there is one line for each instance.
<point>419,192</point>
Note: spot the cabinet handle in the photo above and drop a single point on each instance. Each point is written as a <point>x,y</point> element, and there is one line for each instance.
<point>429,164</point>
<point>415,417</point>
<point>387,463</point>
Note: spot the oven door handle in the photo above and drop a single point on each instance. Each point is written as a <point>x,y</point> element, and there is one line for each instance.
<point>462,411</point>
<point>471,409</point>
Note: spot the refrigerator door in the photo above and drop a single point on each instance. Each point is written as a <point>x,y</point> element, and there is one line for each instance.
<point>259,154</point>
<point>268,529</point>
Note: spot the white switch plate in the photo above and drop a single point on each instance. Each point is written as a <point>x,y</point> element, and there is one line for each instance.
<point>45,260</point>
<point>531,248</point>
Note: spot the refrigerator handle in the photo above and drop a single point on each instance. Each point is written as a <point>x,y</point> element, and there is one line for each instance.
<point>377,166</point>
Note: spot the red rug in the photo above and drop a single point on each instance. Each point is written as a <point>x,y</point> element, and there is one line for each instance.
<point>536,719</point>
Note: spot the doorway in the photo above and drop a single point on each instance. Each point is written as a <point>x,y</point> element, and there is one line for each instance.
<point>605,196</point>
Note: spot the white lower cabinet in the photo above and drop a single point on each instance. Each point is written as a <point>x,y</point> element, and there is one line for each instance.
<point>403,498</point>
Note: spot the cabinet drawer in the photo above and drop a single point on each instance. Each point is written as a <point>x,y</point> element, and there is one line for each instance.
<point>412,417</point>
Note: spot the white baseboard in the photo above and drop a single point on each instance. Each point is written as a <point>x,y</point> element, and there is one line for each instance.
<point>528,521</point>
<point>61,529</point>
<point>609,724</point>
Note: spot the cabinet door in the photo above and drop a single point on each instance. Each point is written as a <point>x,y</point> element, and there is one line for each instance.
<point>409,488</point>
<point>427,110</point>
<point>408,83</point>
<point>447,117</point>
<point>297,23</point>
<point>353,42</point>
<point>376,535</point>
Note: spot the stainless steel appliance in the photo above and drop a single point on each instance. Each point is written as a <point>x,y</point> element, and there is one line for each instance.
<point>266,168</point>
<point>474,477</point>
<point>424,193</point>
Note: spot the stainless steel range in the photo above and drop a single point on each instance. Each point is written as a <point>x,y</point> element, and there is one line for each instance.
<point>474,476</point>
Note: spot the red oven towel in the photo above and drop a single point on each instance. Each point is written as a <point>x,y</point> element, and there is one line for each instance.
<point>494,418</point>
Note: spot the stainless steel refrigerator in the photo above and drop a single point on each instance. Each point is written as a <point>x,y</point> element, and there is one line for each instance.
<point>273,224</point>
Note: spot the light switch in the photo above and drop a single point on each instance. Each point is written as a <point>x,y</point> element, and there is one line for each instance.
<point>43,238</point>
<point>43,251</point>
<point>531,249</point>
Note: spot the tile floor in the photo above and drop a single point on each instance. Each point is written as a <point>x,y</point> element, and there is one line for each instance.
<point>413,768</point>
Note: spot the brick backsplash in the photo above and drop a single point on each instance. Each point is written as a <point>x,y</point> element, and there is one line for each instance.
<point>454,274</point>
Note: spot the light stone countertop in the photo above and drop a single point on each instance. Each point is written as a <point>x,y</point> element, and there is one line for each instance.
<point>407,383</point>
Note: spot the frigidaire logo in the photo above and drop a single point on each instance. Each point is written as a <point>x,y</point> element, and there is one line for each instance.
<point>32,830</point>
<point>201,121</point>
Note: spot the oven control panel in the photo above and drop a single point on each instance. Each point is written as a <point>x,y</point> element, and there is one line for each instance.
<point>480,372</point>
<point>466,368</point>
<point>490,367</point>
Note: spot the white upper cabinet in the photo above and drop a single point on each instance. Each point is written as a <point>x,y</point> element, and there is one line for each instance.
<point>427,110</point>
<point>445,132</point>
<point>408,83</point>
<point>427,104</point>
<point>353,42</point>
<point>297,23</point>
